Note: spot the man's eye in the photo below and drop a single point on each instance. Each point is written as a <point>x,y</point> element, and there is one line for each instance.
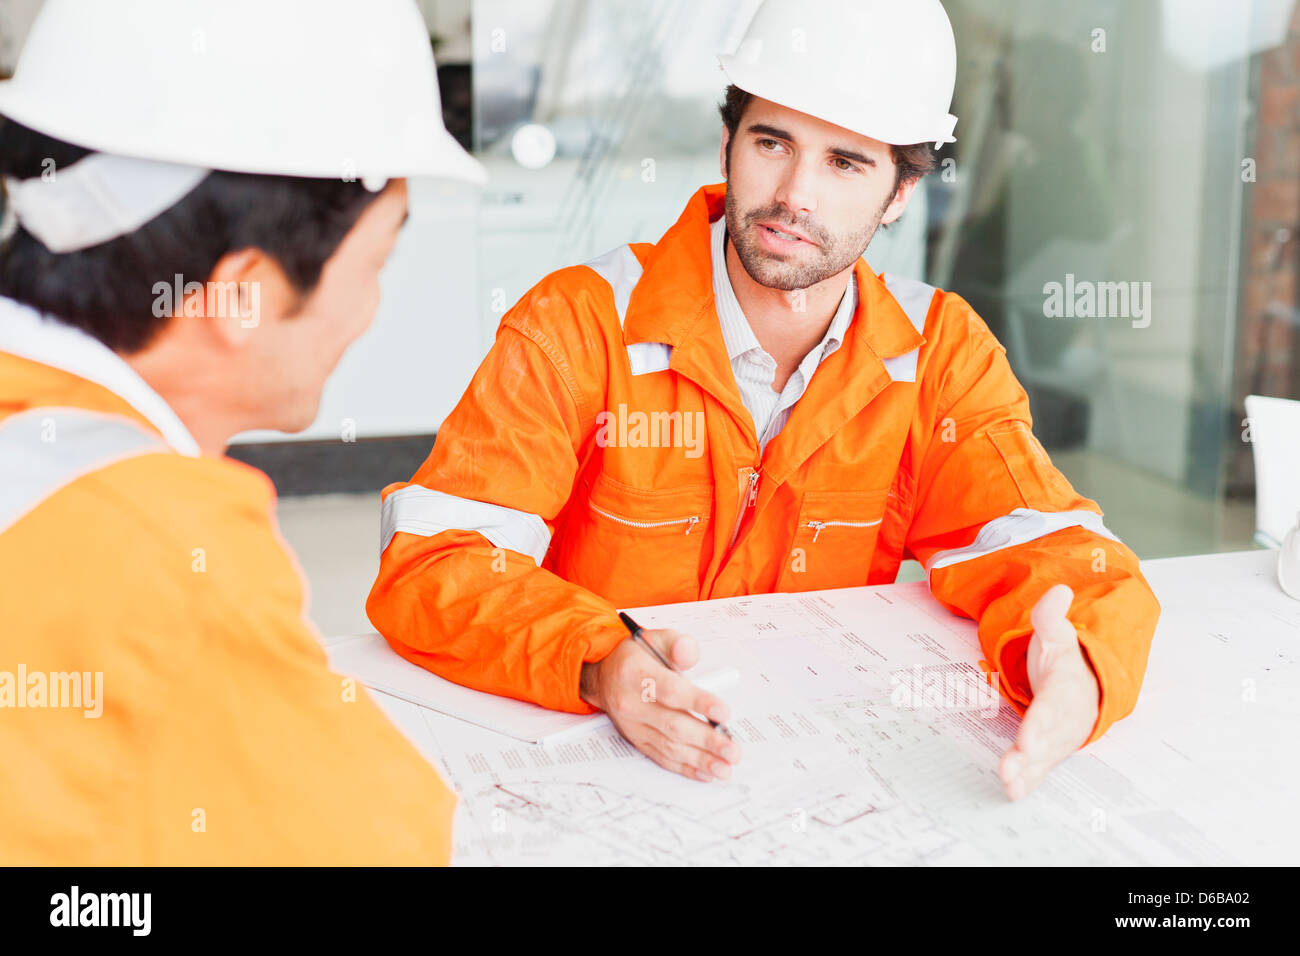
<point>846,167</point>
<point>768,144</point>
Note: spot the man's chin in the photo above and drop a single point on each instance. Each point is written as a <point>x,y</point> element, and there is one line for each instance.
<point>789,285</point>
<point>772,276</point>
<point>297,421</point>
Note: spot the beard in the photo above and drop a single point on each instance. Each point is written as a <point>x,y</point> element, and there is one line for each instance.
<point>830,256</point>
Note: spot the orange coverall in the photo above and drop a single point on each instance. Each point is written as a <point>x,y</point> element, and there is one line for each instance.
<point>602,458</point>
<point>216,734</point>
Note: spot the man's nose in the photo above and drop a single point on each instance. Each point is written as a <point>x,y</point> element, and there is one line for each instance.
<point>797,192</point>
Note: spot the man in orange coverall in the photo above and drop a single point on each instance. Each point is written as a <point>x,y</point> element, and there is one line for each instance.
<point>746,407</point>
<point>163,699</point>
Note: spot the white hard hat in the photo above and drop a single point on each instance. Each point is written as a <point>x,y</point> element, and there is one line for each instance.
<point>882,68</point>
<point>318,88</point>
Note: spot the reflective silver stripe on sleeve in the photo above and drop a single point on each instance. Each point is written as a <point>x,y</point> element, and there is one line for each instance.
<point>622,271</point>
<point>914,298</point>
<point>45,449</point>
<point>423,511</point>
<point>1020,526</point>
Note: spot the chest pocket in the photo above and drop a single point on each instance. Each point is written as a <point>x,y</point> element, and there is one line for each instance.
<point>834,540</point>
<point>635,546</point>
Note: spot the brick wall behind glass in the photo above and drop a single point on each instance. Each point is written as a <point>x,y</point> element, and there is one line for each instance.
<point>1268,333</point>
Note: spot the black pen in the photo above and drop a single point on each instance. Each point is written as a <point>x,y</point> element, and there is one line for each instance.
<point>637,635</point>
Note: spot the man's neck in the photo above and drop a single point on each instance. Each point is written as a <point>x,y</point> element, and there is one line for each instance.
<point>787,324</point>
<point>191,396</point>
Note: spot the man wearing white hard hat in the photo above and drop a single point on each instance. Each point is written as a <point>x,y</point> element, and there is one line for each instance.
<point>840,422</point>
<point>197,213</point>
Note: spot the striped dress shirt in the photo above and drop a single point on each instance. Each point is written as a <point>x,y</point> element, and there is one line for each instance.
<point>754,368</point>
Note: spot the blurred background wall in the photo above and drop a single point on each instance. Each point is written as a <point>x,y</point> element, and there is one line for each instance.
<point>1146,142</point>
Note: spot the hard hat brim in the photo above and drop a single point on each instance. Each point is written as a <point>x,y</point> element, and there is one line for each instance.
<point>444,158</point>
<point>454,162</point>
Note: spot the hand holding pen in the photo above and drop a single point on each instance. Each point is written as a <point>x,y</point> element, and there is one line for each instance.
<point>639,685</point>
<point>638,635</point>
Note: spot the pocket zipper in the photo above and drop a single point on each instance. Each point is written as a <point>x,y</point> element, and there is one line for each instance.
<point>818,525</point>
<point>690,522</point>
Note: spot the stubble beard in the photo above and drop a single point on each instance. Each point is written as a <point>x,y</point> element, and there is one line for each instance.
<point>832,254</point>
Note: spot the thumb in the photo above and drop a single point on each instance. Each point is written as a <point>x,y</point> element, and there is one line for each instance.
<point>1054,636</point>
<point>1049,617</point>
<point>685,653</point>
<point>679,649</point>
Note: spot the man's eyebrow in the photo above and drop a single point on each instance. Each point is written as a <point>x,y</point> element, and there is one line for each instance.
<point>762,129</point>
<point>851,155</point>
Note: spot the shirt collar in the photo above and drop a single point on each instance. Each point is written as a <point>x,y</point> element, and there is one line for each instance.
<point>736,330</point>
<point>27,333</point>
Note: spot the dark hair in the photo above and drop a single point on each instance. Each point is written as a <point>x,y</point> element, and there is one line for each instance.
<point>911,162</point>
<point>107,289</point>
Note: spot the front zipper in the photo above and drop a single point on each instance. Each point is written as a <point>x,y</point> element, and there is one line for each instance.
<point>818,525</point>
<point>747,499</point>
<point>690,522</point>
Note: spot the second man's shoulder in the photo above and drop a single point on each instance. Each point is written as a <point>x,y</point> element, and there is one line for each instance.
<point>581,307</point>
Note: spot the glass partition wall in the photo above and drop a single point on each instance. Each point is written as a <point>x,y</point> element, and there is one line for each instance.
<point>1119,206</point>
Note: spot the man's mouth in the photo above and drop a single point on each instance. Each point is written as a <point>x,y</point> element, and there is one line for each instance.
<point>784,235</point>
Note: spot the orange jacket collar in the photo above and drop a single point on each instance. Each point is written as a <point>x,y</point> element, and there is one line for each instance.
<point>673,302</point>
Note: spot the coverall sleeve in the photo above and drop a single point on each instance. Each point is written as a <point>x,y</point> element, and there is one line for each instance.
<point>461,590</point>
<point>983,473</point>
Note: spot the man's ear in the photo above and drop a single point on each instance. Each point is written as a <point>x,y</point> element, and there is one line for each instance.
<point>246,289</point>
<point>899,202</point>
<point>722,155</point>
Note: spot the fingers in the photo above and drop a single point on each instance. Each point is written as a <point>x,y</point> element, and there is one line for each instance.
<point>1011,773</point>
<point>675,753</point>
<point>1026,765</point>
<point>651,706</point>
<point>1058,721</point>
<point>682,729</point>
<point>677,693</point>
<point>1065,697</point>
<point>683,744</point>
<point>690,771</point>
<point>1022,775</point>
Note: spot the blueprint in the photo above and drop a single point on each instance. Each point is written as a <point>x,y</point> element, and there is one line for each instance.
<point>871,737</point>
